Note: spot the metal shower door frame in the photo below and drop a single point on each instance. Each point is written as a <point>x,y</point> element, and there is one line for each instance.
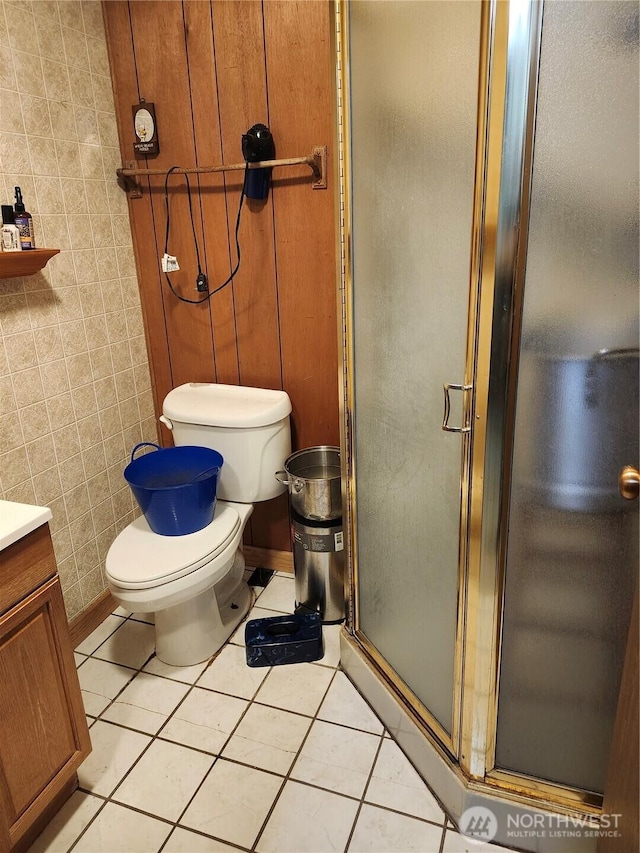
<point>508,78</point>
<point>447,744</point>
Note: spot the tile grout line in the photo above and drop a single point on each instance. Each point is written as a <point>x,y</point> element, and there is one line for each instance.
<point>287,776</point>
<point>82,790</point>
<point>137,670</point>
<point>250,703</point>
<point>154,737</point>
<point>231,733</point>
<point>364,792</point>
<point>217,756</point>
<point>117,628</point>
<point>90,822</point>
<point>134,670</point>
<point>108,799</point>
<point>364,801</point>
<point>202,835</point>
<point>444,834</point>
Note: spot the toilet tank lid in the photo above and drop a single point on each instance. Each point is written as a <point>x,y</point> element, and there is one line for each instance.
<point>211,404</point>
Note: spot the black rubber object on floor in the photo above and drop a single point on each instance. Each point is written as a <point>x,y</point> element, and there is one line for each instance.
<point>260,577</point>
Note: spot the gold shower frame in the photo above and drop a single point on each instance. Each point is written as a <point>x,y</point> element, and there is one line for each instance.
<point>497,270</point>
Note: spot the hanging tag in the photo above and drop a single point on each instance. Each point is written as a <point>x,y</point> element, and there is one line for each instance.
<point>144,122</point>
<point>169,263</point>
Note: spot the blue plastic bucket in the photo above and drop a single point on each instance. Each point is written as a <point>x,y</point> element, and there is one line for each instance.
<point>175,487</point>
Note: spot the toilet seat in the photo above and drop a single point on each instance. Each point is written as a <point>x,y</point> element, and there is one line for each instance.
<point>142,559</point>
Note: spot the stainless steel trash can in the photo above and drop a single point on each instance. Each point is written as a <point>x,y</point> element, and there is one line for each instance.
<point>318,564</point>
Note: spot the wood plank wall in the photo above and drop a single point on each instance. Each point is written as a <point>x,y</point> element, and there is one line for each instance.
<point>213,69</point>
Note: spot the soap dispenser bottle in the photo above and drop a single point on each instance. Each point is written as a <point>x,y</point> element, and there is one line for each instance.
<point>10,234</point>
<point>24,222</point>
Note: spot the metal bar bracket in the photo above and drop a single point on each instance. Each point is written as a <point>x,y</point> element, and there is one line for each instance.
<point>129,184</point>
<point>319,157</point>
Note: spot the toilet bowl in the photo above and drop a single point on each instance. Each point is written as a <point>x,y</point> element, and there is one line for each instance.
<point>194,584</point>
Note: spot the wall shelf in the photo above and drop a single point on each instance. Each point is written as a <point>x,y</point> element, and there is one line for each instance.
<point>27,262</point>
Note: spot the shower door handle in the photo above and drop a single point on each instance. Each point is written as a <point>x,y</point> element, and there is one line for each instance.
<point>448,386</point>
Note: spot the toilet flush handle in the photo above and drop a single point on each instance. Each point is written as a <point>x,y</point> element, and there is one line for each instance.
<point>164,420</point>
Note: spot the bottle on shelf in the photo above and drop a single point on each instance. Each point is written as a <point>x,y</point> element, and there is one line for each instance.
<point>10,234</point>
<point>24,222</point>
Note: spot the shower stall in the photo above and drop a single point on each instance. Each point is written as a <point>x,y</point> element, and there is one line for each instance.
<point>489,283</point>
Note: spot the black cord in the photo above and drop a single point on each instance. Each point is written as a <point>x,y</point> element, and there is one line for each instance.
<point>195,236</point>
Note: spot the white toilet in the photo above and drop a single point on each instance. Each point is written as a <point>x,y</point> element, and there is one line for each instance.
<point>194,584</point>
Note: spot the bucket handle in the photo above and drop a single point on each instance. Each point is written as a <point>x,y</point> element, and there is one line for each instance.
<point>196,479</point>
<point>297,485</point>
<point>203,474</point>
<point>144,444</point>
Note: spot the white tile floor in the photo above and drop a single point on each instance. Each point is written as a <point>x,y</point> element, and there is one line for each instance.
<point>224,757</point>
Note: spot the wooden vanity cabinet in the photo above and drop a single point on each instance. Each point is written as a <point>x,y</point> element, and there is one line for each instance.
<point>43,729</point>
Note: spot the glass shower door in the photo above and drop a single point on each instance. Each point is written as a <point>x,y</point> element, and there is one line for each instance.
<point>572,548</point>
<point>414,90</point>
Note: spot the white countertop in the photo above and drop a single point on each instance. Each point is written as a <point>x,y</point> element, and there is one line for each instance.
<point>16,520</point>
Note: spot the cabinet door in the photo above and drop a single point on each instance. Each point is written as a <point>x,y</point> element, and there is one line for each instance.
<point>43,729</point>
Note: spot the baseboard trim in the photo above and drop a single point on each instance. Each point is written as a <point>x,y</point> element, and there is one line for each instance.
<point>268,558</point>
<point>91,617</point>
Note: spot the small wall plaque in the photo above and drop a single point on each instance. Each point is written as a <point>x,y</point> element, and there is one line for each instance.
<point>144,122</point>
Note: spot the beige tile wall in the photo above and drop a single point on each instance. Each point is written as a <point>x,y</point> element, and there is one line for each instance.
<point>74,377</point>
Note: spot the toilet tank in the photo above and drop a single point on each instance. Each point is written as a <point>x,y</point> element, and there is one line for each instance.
<point>249,426</point>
